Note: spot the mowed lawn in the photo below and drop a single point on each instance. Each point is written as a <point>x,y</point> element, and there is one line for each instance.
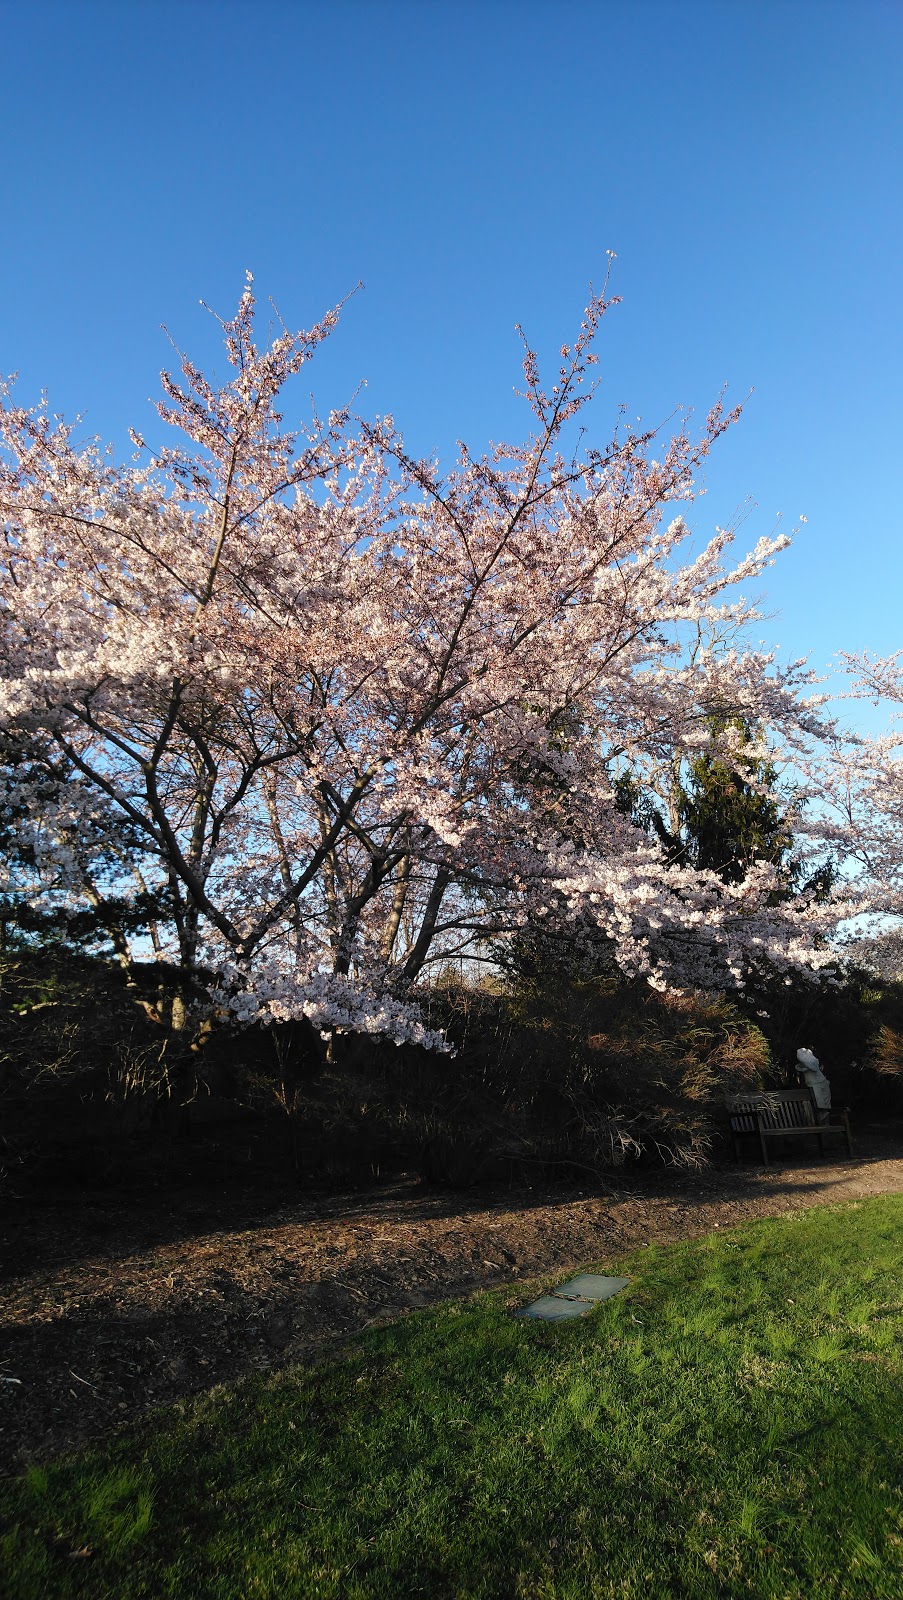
<point>730,1425</point>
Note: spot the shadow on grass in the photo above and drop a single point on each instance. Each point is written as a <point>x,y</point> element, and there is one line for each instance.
<point>728,1427</point>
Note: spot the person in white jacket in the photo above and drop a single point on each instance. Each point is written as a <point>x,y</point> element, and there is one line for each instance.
<point>810,1071</point>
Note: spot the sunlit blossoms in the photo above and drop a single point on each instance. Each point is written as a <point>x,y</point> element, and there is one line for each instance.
<point>353,715</point>
<point>856,784</point>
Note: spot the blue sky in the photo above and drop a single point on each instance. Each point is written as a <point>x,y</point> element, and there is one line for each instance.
<point>471,164</point>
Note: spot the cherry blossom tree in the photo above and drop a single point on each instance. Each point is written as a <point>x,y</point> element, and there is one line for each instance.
<point>355,714</point>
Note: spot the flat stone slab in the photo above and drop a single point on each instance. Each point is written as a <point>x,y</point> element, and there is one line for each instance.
<point>574,1298</point>
<point>592,1286</point>
<point>550,1309</point>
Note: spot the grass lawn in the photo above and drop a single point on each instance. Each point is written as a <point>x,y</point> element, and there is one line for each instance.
<point>730,1425</point>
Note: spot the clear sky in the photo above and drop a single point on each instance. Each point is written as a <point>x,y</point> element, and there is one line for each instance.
<point>471,163</point>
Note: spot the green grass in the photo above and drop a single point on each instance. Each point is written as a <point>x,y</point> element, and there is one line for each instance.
<point>729,1426</point>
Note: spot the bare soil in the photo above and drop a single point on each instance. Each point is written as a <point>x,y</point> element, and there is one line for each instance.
<point>113,1306</point>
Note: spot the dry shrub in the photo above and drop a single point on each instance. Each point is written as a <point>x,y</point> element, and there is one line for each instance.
<point>886,1053</point>
<point>879,1075</point>
<point>582,1079</point>
<point>567,1080</point>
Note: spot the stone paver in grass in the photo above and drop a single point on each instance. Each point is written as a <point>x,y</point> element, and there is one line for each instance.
<point>574,1298</point>
<point>592,1286</point>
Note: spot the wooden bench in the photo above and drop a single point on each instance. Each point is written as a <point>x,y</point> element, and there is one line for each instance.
<point>781,1114</point>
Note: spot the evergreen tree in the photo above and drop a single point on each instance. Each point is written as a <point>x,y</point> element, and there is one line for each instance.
<point>730,814</point>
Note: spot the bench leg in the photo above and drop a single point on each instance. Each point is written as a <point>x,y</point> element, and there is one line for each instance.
<point>762,1143</point>
<point>846,1126</point>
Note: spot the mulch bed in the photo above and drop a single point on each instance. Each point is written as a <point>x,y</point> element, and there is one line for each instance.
<point>114,1306</point>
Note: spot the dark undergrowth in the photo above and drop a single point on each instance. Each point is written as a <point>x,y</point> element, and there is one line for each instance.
<point>551,1081</point>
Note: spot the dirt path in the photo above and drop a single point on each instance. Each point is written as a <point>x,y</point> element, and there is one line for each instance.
<point>106,1314</point>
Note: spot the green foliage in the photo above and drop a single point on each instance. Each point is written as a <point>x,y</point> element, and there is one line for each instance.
<point>727,1426</point>
<point>722,813</point>
<point>730,815</point>
<point>93,903</point>
<point>91,928</point>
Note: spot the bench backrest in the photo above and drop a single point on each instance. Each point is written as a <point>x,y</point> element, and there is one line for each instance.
<point>778,1108</point>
